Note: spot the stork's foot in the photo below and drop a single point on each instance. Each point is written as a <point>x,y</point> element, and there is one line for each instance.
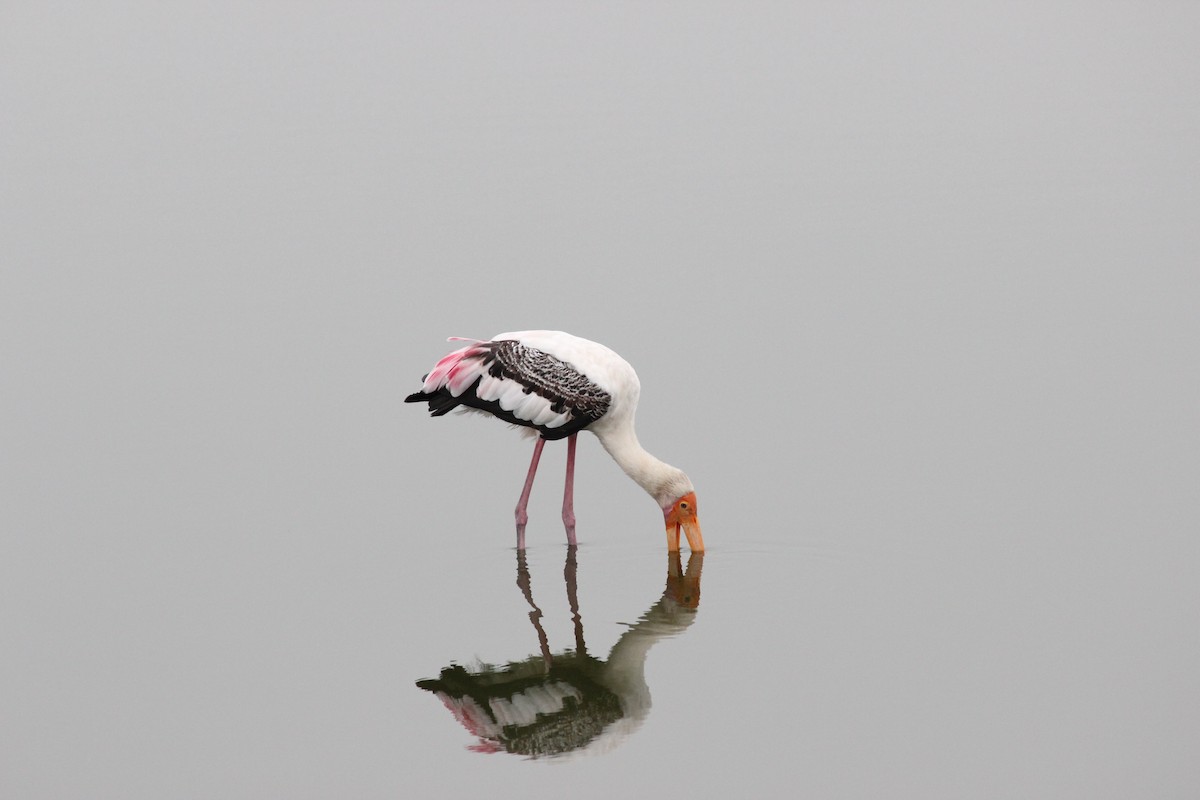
<point>522,518</point>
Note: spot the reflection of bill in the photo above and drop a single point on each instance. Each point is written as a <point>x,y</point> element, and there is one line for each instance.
<point>553,704</point>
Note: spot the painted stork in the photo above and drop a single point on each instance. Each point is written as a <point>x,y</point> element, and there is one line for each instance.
<point>556,385</point>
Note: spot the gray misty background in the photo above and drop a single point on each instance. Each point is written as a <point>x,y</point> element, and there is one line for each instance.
<point>912,290</point>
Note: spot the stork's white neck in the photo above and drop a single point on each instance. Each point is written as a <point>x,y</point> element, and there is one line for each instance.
<point>625,669</point>
<point>664,483</point>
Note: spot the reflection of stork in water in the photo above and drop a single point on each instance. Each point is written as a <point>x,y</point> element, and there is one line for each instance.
<point>550,705</point>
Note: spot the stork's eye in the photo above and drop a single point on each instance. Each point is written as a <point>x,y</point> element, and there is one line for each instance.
<point>683,506</point>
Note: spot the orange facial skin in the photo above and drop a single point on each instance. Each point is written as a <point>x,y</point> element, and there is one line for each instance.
<point>682,515</point>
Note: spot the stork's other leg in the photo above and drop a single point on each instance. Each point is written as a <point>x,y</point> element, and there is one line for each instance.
<point>522,516</point>
<point>569,492</point>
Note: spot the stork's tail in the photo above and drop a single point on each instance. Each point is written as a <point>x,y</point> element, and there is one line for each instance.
<point>440,402</point>
<point>450,377</point>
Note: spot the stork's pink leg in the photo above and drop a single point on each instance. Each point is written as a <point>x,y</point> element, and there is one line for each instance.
<point>569,492</point>
<point>522,516</point>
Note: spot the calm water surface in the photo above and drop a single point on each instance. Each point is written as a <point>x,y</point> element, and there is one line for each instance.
<point>278,626</point>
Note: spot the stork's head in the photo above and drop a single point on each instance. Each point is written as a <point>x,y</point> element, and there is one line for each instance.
<point>682,514</point>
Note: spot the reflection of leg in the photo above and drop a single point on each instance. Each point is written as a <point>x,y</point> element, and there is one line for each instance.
<point>569,492</point>
<point>535,616</point>
<point>569,573</point>
<point>521,516</point>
